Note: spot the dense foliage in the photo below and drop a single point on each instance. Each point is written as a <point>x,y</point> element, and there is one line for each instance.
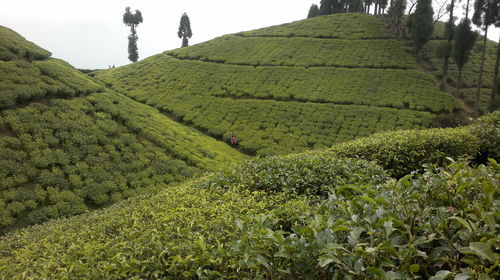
<point>339,26</point>
<point>312,174</point>
<point>27,73</point>
<point>440,223</point>
<point>13,46</point>
<point>67,157</point>
<point>404,151</point>
<point>293,51</point>
<point>61,157</point>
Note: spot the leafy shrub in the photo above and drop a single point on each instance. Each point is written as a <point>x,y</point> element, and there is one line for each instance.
<point>342,26</point>
<point>14,46</point>
<point>69,156</point>
<point>255,51</point>
<point>402,152</point>
<point>439,225</point>
<point>487,129</point>
<point>314,174</point>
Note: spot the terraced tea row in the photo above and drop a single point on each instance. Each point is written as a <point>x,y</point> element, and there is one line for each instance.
<point>403,89</point>
<point>308,52</point>
<point>340,26</point>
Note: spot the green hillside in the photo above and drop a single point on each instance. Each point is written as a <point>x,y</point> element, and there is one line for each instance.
<point>67,145</point>
<point>291,87</point>
<point>470,73</point>
<point>313,215</point>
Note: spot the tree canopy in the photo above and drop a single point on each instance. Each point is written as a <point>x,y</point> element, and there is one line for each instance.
<point>132,20</point>
<point>185,30</point>
<point>421,24</point>
<point>313,11</point>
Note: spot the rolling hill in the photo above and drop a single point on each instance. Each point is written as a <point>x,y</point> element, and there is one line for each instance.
<point>405,204</point>
<point>291,87</point>
<point>68,145</point>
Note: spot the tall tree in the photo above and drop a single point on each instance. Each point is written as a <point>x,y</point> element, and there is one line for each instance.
<point>368,4</point>
<point>132,20</point>
<point>464,42</point>
<point>185,30</point>
<point>485,14</point>
<point>325,7</point>
<point>495,90</point>
<point>313,11</point>
<point>396,12</point>
<point>448,33</point>
<point>421,25</point>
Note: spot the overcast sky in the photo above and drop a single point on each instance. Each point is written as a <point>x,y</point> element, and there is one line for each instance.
<point>91,34</point>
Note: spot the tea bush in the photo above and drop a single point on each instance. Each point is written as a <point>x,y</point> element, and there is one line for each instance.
<point>440,223</point>
<point>313,174</point>
<point>260,86</point>
<point>404,151</point>
<point>13,46</point>
<point>402,89</point>
<point>278,51</point>
<point>340,26</point>
<point>401,152</point>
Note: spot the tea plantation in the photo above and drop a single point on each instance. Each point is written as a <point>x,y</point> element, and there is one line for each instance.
<point>290,87</point>
<point>68,146</point>
<point>314,215</point>
<point>125,173</point>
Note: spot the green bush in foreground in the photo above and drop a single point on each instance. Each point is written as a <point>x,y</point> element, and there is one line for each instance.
<point>313,174</point>
<point>440,223</point>
<point>401,152</point>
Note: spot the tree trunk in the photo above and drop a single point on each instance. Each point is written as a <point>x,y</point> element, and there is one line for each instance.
<point>459,82</point>
<point>368,9</point>
<point>444,78</point>
<point>467,10</point>
<point>495,79</point>
<point>481,68</point>
<point>376,9</point>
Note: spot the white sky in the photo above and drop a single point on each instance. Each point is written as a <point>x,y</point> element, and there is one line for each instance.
<point>91,34</point>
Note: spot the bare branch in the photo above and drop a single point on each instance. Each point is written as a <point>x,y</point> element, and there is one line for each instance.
<point>442,11</point>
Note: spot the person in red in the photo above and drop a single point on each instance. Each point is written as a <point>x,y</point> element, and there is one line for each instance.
<point>234,140</point>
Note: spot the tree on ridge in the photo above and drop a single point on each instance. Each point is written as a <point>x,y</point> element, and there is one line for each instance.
<point>313,11</point>
<point>132,20</point>
<point>185,30</point>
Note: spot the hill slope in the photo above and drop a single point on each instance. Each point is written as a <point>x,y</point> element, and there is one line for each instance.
<point>292,87</point>
<point>304,216</point>
<point>67,145</point>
